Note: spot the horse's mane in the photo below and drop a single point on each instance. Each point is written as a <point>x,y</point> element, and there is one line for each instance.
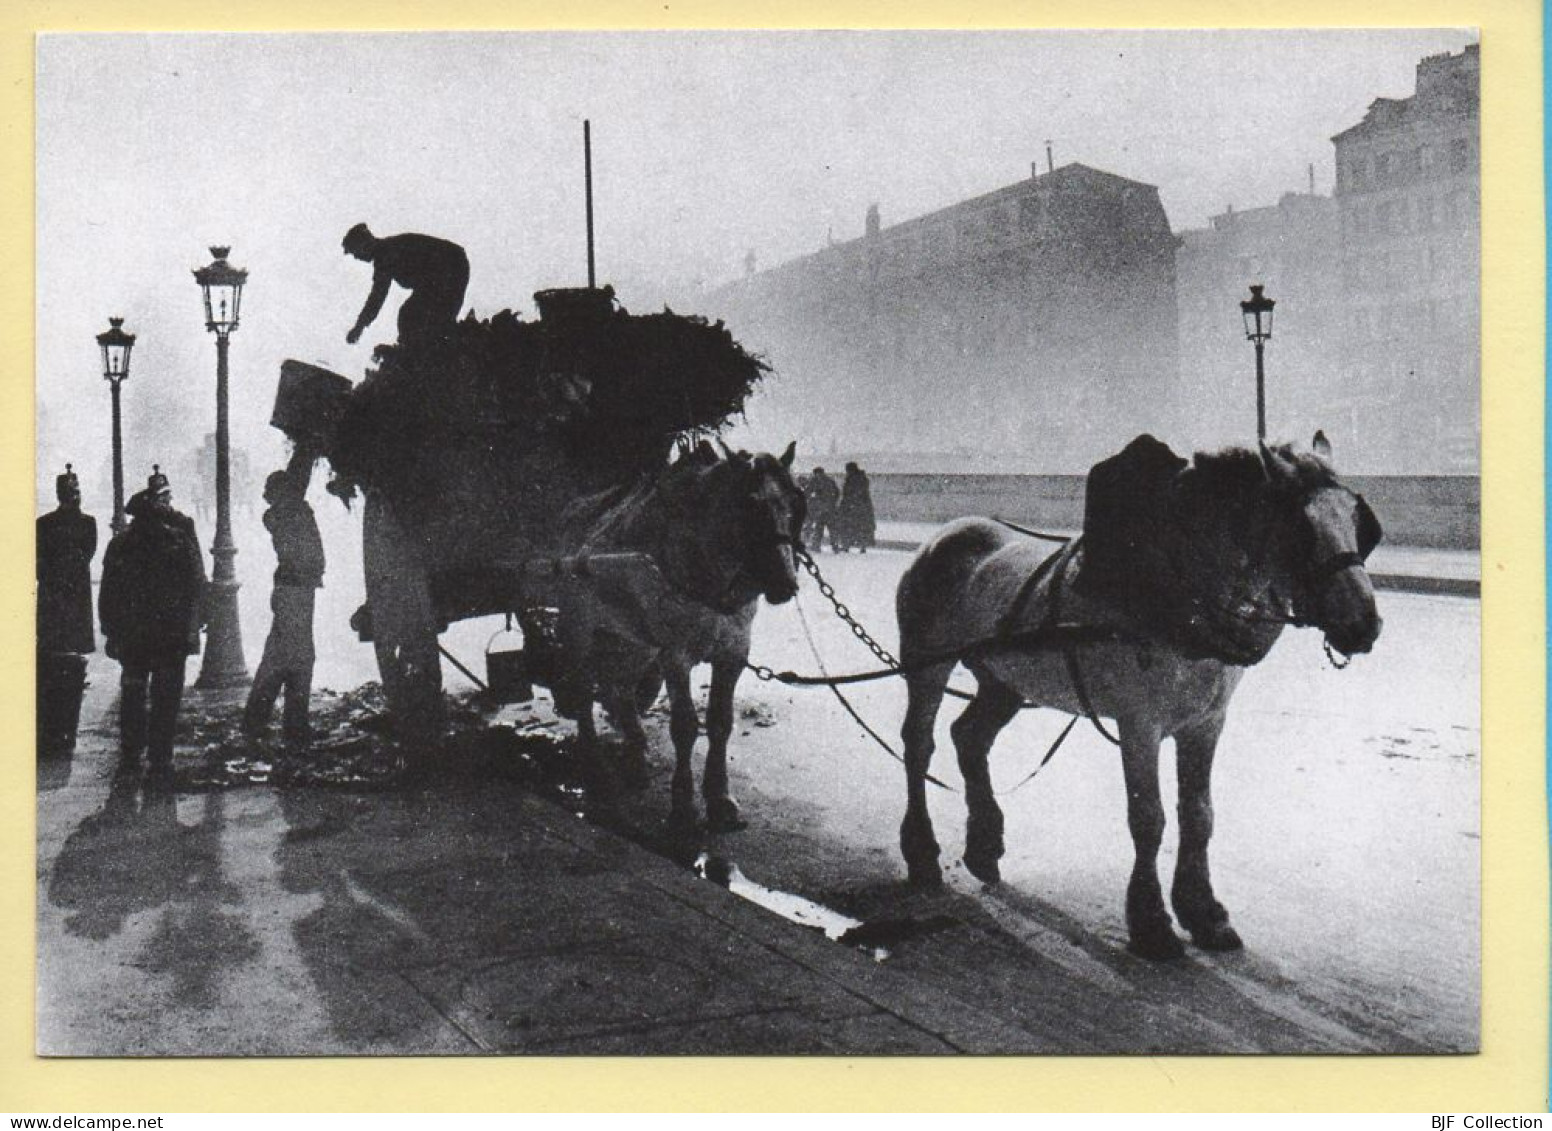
<point>1236,474</point>
<point>634,515</point>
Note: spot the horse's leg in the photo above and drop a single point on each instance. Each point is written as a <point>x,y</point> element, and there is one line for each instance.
<point>974,732</point>
<point>602,789</point>
<point>924,691</point>
<point>721,809</point>
<point>620,702</point>
<point>1152,935</point>
<point>684,727</point>
<point>1197,909</point>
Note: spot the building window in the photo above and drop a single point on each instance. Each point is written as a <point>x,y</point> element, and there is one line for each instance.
<point>1382,169</point>
<point>1424,158</point>
<point>1460,155</point>
<point>1030,211</point>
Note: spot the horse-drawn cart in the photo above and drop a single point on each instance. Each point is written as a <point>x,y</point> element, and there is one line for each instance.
<point>475,451</point>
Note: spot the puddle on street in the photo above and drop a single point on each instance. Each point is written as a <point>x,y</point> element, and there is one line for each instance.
<point>793,908</point>
<point>875,937</point>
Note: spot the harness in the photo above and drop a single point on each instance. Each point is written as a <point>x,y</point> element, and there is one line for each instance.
<point>1055,567</point>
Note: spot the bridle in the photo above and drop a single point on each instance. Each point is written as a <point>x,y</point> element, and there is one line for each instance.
<point>1272,607</point>
<point>728,590</point>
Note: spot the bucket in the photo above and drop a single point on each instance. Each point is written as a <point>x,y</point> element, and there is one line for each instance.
<point>575,305</point>
<point>506,672</point>
<point>309,402</point>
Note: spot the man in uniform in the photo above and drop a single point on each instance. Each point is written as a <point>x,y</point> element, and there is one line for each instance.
<point>435,271</point>
<point>288,652</point>
<point>67,540</point>
<point>152,609</point>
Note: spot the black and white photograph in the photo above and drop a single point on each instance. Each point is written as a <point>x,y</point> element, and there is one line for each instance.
<point>698,543</point>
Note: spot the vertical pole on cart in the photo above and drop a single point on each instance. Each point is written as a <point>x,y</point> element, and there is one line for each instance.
<point>587,160</point>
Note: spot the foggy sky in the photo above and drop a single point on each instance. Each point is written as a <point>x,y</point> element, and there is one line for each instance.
<point>706,145</point>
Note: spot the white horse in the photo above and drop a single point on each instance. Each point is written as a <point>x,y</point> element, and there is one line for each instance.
<point>1239,544</point>
<point>721,532</point>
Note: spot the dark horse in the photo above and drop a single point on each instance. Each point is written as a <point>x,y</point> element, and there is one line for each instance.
<point>720,533</point>
<point>1242,544</point>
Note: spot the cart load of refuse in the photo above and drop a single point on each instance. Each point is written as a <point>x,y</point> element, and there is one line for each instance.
<point>587,385</point>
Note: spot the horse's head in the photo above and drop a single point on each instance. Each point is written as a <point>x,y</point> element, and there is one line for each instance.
<point>774,510</point>
<point>748,519</point>
<point>1325,535</point>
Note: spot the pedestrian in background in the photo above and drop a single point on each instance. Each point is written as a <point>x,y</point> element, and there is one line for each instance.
<point>855,525</point>
<point>287,665</point>
<point>67,541</point>
<point>152,610</point>
<point>822,495</point>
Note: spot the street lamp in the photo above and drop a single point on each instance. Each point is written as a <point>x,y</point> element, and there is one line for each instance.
<point>116,346</point>
<point>1257,311</point>
<point>224,666</point>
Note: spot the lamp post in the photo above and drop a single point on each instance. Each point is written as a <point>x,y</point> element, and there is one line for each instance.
<point>116,346</point>
<point>224,665</point>
<point>1257,312</point>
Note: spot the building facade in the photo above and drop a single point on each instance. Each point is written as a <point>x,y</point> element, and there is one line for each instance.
<point>1408,194</point>
<point>1292,249</point>
<point>1377,337</point>
<point>1034,324</point>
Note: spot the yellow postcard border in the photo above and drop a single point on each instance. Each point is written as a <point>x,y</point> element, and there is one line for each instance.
<point>1511,1072</point>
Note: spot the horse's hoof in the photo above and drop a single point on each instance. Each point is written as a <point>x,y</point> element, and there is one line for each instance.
<point>983,866</point>
<point>1219,936</point>
<point>1157,945</point>
<point>722,815</point>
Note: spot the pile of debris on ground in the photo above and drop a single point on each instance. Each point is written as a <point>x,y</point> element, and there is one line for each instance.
<point>588,382</point>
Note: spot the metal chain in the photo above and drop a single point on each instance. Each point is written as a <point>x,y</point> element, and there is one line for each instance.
<point>883,654</point>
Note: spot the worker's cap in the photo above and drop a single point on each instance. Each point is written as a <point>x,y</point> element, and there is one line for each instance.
<point>358,236</point>
<point>276,483</point>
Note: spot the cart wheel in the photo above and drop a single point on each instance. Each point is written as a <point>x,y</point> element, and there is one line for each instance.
<point>404,627</point>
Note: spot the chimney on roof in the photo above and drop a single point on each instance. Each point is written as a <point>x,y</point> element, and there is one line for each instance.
<point>1050,164</point>
<point>1312,178</point>
<point>749,262</point>
<point>872,221</point>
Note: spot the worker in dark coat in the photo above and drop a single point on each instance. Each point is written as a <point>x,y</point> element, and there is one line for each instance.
<point>287,665</point>
<point>855,524</point>
<point>436,272</point>
<point>152,609</point>
<point>822,495</point>
<point>67,541</point>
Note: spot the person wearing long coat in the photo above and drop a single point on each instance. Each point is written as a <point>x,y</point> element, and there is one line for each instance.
<point>67,541</point>
<point>152,610</point>
<point>822,495</point>
<point>855,524</point>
